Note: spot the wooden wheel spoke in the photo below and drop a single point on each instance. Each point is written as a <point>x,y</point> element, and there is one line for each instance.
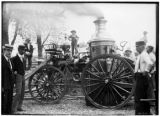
<point>94,98</point>
<point>39,93</point>
<point>35,78</point>
<point>52,92</point>
<point>40,88</point>
<point>93,79</point>
<point>126,74</point>
<point>112,65</point>
<point>123,77</point>
<point>92,84</point>
<point>120,67</point>
<point>56,75</point>
<point>95,68</point>
<point>114,97</point>
<point>117,67</point>
<point>56,93</point>
<point>93,74</point>
<point>124,84</point>
<point>33,91</point>
<point>41,81</point>
<point>44,94</point>
<point>58,84</point>
<point>121,88</point>
<point>47,95</point>
<point>106,65</point>
<point>94,89</point>
<point>58,79</point>
<point>100,66</point>
<point>119,73</point>
<point>117,92</point>
<point>43,74</point>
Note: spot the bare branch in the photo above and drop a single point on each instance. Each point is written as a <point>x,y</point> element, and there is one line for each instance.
<point>46,37</point>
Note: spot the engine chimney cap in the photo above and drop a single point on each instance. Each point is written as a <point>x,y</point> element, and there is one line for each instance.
<point>73,31</point>
<point>100,20</point>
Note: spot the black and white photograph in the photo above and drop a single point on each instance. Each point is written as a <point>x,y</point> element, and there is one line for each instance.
<point>79,58</point>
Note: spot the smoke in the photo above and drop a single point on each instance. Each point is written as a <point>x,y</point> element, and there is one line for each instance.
<point>83,9</point>
<point>54,10</point>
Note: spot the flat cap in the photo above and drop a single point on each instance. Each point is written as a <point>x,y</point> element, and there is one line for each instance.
<point>140,43</point>
<point>128,49</point>
<point>21,47</point>
<point>7,47</point>
<point>73,31</point>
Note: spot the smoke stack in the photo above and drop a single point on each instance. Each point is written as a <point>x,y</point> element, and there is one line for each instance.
<point>101,33</point>
<point>101,42</point>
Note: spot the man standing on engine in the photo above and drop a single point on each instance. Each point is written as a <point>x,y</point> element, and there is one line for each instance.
<point>74,40</point>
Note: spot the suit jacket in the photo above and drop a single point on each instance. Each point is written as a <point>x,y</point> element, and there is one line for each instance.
<point>29,50</point>
<point>7,74</point>
<point>18,65</point>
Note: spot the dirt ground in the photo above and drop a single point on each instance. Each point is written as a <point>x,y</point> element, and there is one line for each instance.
<point>70,106</point>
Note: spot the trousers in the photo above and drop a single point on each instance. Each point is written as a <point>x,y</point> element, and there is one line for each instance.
<point>19,96</point>
<point>74,47</point>
<point>141,92</point>
<point>29,60</point>
<point>7,96</point>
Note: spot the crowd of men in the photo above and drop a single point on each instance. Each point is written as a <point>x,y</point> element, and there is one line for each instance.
<point>13,71</point>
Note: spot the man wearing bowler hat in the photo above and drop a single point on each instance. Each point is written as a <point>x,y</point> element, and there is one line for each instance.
<point>19,71</point>
<point>142,67</point>
<point>74,40</point>
<point>7,80</point>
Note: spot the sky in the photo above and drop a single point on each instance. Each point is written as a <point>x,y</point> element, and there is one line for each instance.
<point>125,22</point>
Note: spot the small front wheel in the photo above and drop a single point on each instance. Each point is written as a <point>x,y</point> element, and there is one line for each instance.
<point>47,85</point>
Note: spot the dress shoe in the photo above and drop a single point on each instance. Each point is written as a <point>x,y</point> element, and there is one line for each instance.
<point>20,109</point>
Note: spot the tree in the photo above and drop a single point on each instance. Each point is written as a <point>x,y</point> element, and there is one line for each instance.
<point>5,24</point>
<point>36,18</point>
<point>15,33</point>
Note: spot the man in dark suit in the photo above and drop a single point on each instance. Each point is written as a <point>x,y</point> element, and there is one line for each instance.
<point>7,80</point>
<point>28,52</point>
<point>19,71</point>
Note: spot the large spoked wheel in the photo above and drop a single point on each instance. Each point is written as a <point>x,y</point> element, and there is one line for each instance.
<point>47,85</point>
<point>108,82</point>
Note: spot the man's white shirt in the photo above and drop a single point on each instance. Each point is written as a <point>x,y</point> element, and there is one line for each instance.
<point>152,57</point>
<point>143,62</point>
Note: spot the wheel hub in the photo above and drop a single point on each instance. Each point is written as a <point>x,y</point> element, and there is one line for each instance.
<point>47,84</point>
<point>106,81</point>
